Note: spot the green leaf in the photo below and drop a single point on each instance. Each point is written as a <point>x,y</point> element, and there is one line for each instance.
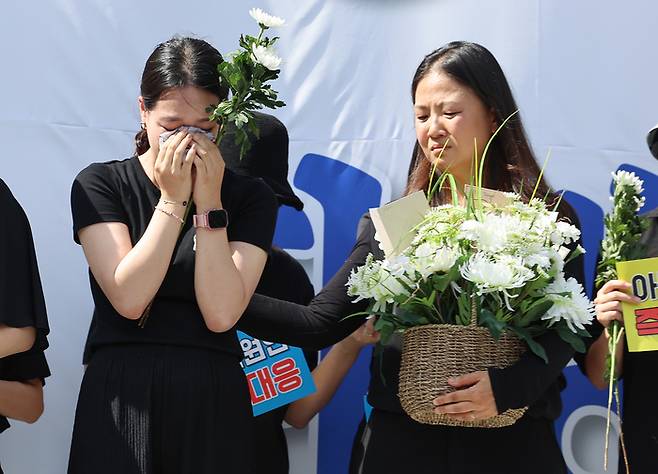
<point>441,282</point>
<point>534,346</point>
<point>571,338</point>
<point>535,311</point>
<point>489,320</point>
<point>412,318</point>
<point>386,330</point>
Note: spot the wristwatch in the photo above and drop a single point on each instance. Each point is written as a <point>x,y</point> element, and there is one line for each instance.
<point>213,219</point>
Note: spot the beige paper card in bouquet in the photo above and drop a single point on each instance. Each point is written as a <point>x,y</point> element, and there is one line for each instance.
<point>497,198</point>
<point>394,222</point>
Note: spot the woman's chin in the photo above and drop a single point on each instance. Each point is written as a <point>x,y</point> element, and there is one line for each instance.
<point>440,163</point>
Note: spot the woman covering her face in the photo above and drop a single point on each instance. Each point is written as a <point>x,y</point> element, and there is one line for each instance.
<point>23,320</point>
<point>460,97</point>
<point>170,275</point>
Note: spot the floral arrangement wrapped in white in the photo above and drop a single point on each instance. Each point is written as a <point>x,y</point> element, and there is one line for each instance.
<point>506,261</point>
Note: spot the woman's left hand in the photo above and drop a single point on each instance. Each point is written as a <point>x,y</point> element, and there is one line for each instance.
<point>473,399</point>
<point>209,166</point>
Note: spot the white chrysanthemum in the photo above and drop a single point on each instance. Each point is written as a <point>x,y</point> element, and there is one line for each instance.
<point>265,19</point>
<point>496,232</point>
<point>398,265</point>
<point>428,259</point>
<point>544,222</point>
<point>545,261</point>
<point>569,303</point>
<point>267,57</point>
<point>540,259</point>
<point>500,274</point>
<point>363,279</point>
<point>487,237</point>
<point>372,281</point>
<point>564,233</point>
<point>625,178</point>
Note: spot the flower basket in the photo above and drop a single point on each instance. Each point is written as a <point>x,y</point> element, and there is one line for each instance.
<point>432,353</point>
<point>476,287</point>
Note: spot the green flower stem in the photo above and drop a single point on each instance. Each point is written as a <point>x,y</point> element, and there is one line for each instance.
<point>218,137</point>
<point>621,431</point>
<point>613,387</point>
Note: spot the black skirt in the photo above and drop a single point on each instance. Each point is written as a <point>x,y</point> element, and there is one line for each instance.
<point>150,409</point>
<point>394,443</point>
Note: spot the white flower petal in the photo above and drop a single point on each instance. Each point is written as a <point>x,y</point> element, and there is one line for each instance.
<point>266,19</point>
<point>267,57</point>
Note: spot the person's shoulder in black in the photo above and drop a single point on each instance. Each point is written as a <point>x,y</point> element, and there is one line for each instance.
<point>21,296</point>
<point>650,235</point>
<point>251,207</point>
<point>96,194</point>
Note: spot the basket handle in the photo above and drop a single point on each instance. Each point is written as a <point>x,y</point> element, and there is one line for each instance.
<point>474,313</point>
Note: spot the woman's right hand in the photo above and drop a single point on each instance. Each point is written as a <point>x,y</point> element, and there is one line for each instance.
<point>173,167</point>
<point>362,337</point>
<point>608,301</point>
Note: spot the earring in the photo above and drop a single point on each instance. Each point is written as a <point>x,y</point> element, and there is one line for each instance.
<point>143,125</point>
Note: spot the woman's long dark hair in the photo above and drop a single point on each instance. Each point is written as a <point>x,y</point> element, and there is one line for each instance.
<point>178,62</point>
<point>510,164</point>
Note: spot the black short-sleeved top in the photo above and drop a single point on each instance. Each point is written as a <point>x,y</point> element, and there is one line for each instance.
<point>120,191</point>
<point>21,295</point>
<point>529,382</point>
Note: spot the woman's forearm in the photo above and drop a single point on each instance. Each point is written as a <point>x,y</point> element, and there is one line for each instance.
<point>220,289</point>
<point>141,272</point>
<point>595,360</point>
<point>130,277</point>
<point>21,400</point>
<point>328,376</point>
<point>15,340</point>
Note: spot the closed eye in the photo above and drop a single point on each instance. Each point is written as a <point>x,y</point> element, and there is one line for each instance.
<point>171,126</point>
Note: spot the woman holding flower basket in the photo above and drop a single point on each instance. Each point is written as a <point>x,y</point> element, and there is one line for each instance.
<point>461,99</point>
<point>171,235</point>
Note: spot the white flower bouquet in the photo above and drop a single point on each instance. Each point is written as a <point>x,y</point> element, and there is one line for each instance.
<point>477,286</point>
<point>506,261</point>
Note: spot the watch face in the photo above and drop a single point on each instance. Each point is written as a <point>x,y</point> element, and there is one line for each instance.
<point>217,219</point>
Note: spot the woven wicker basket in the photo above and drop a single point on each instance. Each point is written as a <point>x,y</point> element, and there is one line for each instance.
<point>434,352</point>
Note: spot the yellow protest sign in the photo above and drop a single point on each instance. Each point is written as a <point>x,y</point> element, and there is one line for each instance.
<point>641,320</point>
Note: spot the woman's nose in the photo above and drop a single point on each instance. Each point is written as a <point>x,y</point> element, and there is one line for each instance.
<point>436,128</point>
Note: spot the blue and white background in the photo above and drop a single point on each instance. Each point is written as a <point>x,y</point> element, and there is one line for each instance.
<point>584,75</point>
